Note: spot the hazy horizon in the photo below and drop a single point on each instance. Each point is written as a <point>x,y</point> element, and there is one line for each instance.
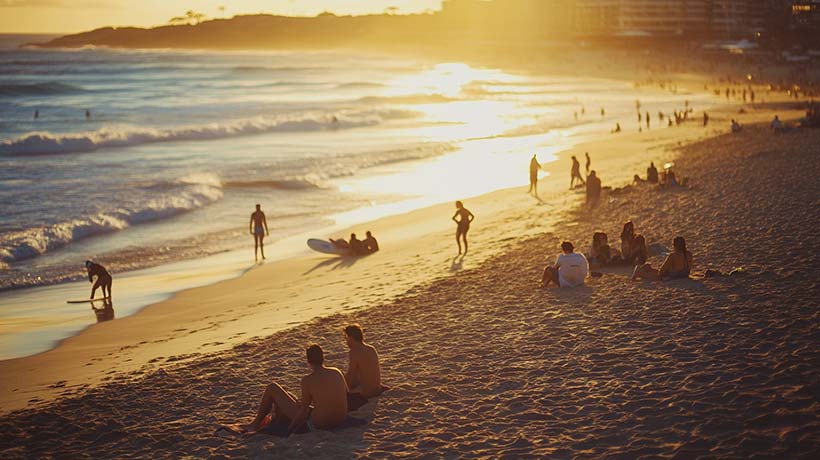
<point>64,17</point>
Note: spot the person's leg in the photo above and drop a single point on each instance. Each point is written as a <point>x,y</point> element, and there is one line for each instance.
<point>458,238</point>
<point>274,399</point>
<point>550,276</point>
<point>464,236</point>
<point>262,245</point>
<point>97,284</point>
<point>109,284</point>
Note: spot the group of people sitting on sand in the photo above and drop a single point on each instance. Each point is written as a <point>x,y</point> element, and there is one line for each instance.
<point>327,394</point>
<point>664,179</point>
<point>357,247</point>
<point>571,268</point>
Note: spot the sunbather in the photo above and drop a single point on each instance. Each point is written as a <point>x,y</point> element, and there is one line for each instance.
<point>677,265</point>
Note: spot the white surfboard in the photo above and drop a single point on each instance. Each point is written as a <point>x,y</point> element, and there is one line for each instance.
<point>325,247</point>
<point>88,300</point>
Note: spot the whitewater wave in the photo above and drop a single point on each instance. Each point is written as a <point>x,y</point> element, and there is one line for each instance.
<point>190,194</point>
<point>44,143</point>
<point>291,183</point>
<point>37,89</point>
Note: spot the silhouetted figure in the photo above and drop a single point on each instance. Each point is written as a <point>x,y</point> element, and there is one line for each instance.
<point>603,112</point>
<point>356,245</point>
<point>588,163</point>
<point>752,96</point>
<point>87,114</point>
<point>534,167</point>
<point>705,119</point>
<point>569,270</point>
<point>583,110</point>
<point>36,114</point>
<point>776,125</point>
<point>647,120</point>
<point>370,243</point>
<point>677,265</point>
<point>104,279</point>
<point>258,227</point>
<point>106,313</point>
<point>465,217</point>
<point>652,173</point>
<point>633,246</point>
<point>593,189</point>
<point>575,173</point>
<point>736,126</point>
<point>617,128</point>
<point>660,117</point>
<point>640,118</point>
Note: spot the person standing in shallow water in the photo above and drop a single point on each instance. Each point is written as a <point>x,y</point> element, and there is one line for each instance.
<point>534,167</point>
<point>463,223</point>
<point>589,162</point>
<point>258,228</point>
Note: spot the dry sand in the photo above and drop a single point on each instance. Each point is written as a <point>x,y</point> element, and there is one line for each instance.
<point>482,361</point>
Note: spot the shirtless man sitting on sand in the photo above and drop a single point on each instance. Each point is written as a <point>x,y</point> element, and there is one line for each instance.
<point>364,375</point>
<point>323,404</point>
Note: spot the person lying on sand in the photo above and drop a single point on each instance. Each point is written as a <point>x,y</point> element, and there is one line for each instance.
<point>323,404</point>
<point>570,268</point>
<point>364,375</point>
<point>677,265</point>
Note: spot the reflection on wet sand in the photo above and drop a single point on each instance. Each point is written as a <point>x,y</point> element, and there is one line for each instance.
<point>104,313</point>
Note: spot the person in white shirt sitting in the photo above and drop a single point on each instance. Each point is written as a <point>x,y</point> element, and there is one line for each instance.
<point>570,268</point>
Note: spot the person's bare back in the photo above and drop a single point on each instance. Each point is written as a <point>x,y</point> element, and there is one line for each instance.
<point>364,375</point>
<point>326,389</point>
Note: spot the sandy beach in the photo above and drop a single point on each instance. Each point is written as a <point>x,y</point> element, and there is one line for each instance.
<point>482,361</point>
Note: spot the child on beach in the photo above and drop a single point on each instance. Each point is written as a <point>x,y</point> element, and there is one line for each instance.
<point>569,270</point>
<point>677,265</point>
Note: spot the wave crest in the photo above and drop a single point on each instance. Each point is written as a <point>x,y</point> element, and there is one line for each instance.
<point>32,242</point>
<point>44,143</point>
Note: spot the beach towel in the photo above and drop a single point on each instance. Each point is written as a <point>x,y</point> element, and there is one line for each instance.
<point>279,427</point>
<point>356,400</point>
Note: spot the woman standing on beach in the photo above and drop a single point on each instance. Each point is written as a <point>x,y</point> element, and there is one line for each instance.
<point>463,224</point>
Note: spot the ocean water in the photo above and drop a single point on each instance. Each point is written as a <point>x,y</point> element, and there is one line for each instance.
<point>178,146</point>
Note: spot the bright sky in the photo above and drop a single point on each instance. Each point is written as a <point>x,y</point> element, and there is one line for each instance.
<point>64,16</point>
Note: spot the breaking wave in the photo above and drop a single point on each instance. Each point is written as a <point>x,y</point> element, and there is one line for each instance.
<point>189,194</point>
<point>44,143</point>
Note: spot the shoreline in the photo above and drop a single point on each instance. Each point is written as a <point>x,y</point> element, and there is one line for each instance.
<point>83,360</point>
<point>483,361</point>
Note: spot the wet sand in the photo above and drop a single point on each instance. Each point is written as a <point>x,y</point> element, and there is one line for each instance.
<point>482,361</point>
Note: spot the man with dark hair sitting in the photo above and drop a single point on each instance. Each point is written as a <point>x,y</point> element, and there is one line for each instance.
<point>323,404</point>
<point>364,375</point>
<point>569,270</point>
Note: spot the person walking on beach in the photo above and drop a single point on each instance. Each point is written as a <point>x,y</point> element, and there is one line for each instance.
<point>589,162</point>
<point>104,279</point>
<point>323,404</point>
<point>258,228</point>
<point>534,167</point>
<point>465,217</point>
<point>575,173</point>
